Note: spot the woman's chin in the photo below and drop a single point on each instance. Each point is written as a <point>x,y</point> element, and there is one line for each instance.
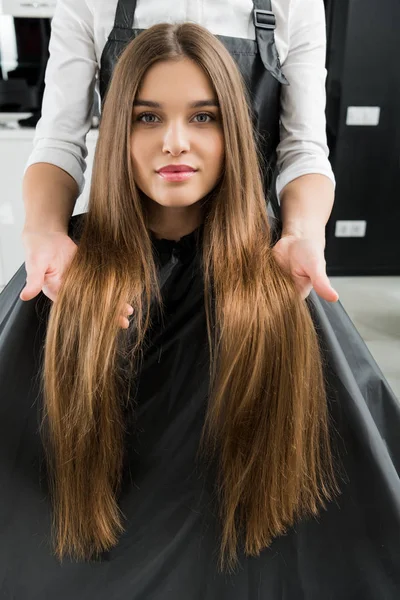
<point>176,200</point>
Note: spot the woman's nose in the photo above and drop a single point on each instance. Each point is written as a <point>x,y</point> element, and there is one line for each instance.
<point>176,139</point>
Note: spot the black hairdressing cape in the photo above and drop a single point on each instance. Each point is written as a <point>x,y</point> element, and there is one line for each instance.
<point>169,550</point>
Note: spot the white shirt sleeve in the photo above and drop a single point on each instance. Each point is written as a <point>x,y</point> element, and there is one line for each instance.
<point>60,136</point>
<point>303,144</point>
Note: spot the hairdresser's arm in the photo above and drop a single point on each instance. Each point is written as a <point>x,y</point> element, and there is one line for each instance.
<point>49,198</point>
<point>306,184</point>
<point>53,175</point>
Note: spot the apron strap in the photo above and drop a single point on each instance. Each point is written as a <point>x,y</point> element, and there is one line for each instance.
<point>123,23</point>
<point>265,23</point>
<point>125,13</point>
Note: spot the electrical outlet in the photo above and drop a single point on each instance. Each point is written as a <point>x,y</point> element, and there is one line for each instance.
<point>350,228</point>
<point>363,115</point>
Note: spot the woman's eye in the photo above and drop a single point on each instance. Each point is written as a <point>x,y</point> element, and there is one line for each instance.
<point>147,118</point>
<point>204,116</point>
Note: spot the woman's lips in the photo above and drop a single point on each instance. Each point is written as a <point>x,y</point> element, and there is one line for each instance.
<point>176,175</point>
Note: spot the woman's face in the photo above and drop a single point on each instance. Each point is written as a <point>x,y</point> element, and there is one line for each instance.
<point>176,124</point>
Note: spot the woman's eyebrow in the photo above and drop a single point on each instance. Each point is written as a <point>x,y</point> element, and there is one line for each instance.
<point>197,104</point>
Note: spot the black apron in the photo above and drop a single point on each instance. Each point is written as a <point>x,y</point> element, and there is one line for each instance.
<point>169,549</point>
<point>259,64</point>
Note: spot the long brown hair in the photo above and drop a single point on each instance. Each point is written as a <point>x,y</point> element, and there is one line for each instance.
<point>267,421</point>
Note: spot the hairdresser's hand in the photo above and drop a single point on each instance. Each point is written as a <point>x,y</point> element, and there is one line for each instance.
<point>47,255</point>
<point>304,259</point>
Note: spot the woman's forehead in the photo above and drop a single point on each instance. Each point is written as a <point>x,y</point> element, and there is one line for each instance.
<point>176,78</point>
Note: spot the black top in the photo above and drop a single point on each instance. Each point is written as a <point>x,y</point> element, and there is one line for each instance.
<point>179,252</point>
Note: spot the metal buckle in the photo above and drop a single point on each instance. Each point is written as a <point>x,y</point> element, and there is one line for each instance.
<point>270,17</point>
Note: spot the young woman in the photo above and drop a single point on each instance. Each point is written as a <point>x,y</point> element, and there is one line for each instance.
<point>200,452</point>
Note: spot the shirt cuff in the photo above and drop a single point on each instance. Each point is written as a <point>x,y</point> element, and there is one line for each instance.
<point>290,174</point>
<point>60,158</point>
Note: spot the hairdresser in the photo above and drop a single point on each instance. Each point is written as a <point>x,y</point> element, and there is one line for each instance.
<point>280,48</point>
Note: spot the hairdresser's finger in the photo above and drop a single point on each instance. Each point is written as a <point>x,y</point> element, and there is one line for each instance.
<point>323,287</point>
<point>34,283</point>
<point>123,322</point>
<point>128,309</point>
